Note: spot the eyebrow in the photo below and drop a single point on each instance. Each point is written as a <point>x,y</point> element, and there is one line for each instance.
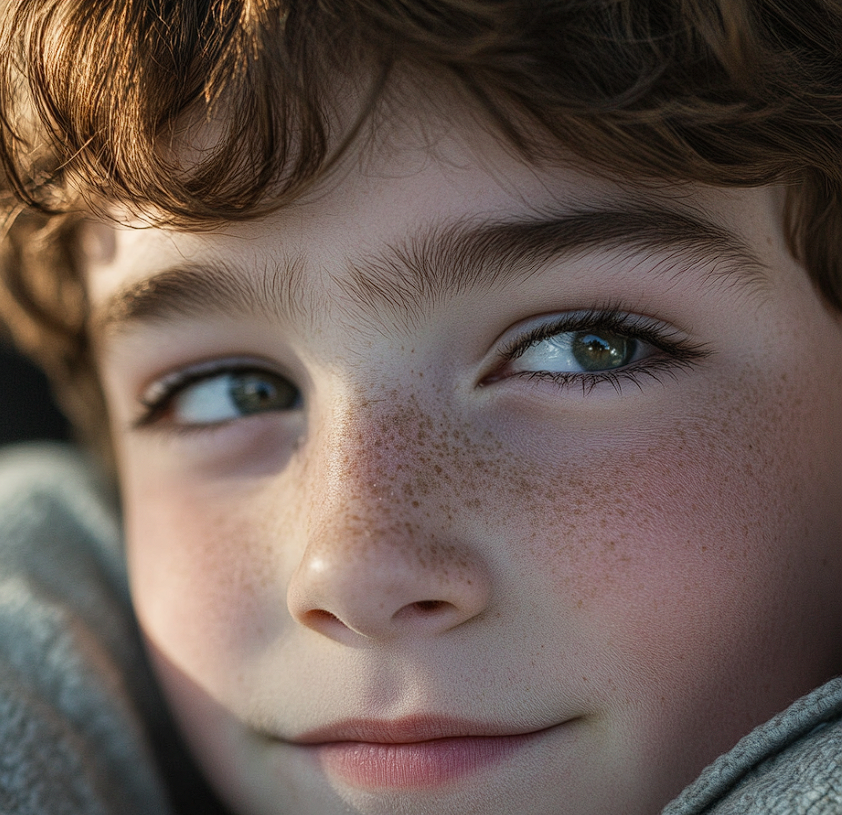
<point>442,261</point>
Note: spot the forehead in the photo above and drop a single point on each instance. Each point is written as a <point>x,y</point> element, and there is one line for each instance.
<point>393,213</point>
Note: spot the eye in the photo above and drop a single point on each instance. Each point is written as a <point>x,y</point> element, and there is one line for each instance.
<point>202,398</point>
<point>600,345</point>
<point>580,352</point>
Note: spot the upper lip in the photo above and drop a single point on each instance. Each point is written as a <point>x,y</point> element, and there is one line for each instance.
<point>407,730</point>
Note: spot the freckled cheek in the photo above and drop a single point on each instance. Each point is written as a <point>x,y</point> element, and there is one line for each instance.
<point>652,511</point>
<point>624,525</point>
<point>706,532</point>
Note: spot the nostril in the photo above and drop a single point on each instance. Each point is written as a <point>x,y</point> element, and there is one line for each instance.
<point>422,608</point>
<point>331,625</point>
<point>321,614</point>
<point>429,605</point>
<point>319,619</point>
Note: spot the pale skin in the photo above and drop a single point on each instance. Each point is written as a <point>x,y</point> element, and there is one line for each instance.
<point>637,564</point>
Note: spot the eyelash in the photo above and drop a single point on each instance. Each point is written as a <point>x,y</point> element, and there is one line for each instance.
<point>677,354</point>
<point>155,407</point>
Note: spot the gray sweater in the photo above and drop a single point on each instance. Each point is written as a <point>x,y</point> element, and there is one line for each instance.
<point>84,731</point>
<point>83,728</point>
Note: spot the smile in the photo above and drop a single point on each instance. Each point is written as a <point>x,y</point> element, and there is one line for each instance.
<point>412,752</point>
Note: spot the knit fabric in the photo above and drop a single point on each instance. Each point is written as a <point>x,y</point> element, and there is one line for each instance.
<point>791,765</point>
<point>83,727</point>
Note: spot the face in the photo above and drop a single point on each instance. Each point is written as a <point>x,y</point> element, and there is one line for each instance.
<point>471,486</point>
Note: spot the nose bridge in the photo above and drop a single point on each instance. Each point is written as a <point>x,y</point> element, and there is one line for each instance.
<point>369,471</point>
<point>380,556</point>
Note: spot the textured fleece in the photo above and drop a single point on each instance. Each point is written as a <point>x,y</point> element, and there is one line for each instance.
<point>791,765</point>
<point>83,728</point>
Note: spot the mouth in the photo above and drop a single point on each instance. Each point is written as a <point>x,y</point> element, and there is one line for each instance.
<point>413,752</point>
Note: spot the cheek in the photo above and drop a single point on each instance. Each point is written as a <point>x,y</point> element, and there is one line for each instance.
<point>700,551</point>
<point>204,571</point>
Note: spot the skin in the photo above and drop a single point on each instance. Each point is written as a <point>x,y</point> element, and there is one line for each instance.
<point>642,573</point>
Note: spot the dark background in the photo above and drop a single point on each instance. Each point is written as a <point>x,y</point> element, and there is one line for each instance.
<point>27,410</point>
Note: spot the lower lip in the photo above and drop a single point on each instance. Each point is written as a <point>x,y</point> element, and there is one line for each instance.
<point>417,764</point>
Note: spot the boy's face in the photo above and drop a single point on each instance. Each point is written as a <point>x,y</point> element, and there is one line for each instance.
<point>466,486</point>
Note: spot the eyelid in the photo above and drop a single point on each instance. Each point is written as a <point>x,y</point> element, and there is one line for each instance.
<point>674,349</point>
<point>186,374</point>
<point>648,329</point>
<point>156,397</point>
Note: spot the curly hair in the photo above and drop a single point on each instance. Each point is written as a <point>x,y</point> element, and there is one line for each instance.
<point>96,97</point>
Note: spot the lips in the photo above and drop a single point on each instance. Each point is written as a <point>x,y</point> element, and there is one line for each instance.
<point>421,751</point>
<point>403,731</point>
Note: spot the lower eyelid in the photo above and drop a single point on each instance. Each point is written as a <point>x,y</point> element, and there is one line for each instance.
<point>587,382</point>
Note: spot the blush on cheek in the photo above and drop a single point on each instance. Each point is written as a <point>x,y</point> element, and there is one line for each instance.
<point>202,562</point>
<point>725,494</point>
<point>696,562</point>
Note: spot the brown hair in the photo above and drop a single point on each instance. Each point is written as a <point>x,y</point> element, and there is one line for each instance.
<point>97,97</point>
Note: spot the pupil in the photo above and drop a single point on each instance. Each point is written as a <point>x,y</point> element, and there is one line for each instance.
<point>600,352</point>
<point>252,393</point>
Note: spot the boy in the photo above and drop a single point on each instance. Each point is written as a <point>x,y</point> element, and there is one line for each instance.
<point>473,375</point>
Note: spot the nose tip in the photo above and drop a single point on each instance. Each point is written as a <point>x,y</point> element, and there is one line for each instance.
<point>380,550</point>
<point>387,593</point>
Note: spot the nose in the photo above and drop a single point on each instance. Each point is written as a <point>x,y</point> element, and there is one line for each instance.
<point>380,558</point>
